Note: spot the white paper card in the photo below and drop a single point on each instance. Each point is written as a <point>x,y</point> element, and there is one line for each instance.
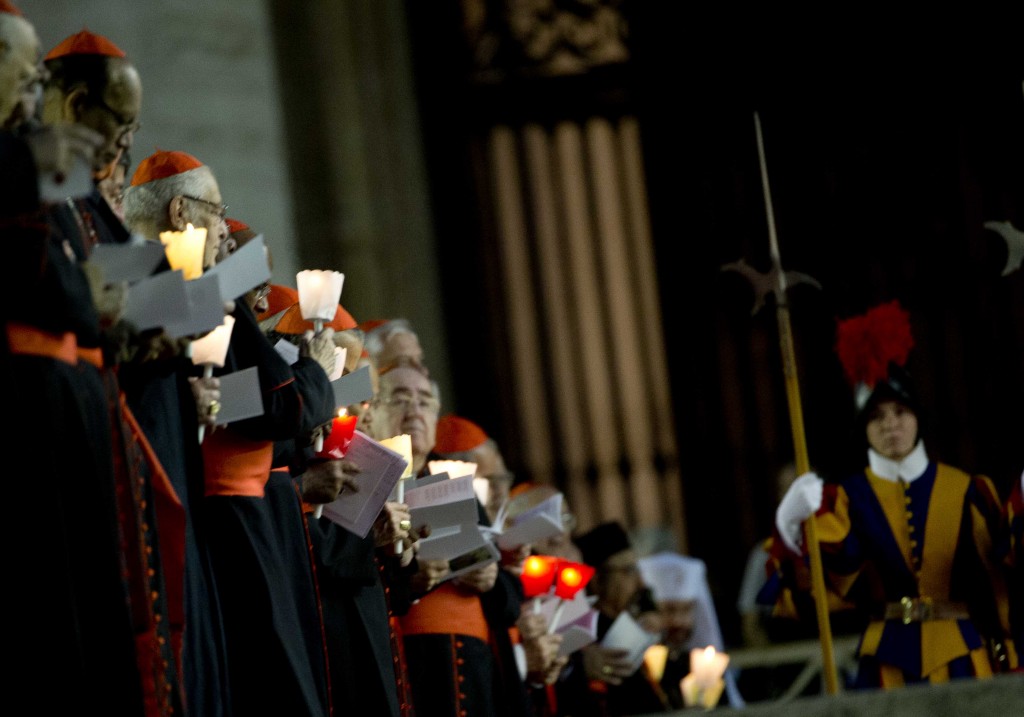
<point>626,634</point>
<point>127,262</point>
<point>205,309</point>
<point>440,492</point>
<point>76,183</point>
<point>287,350</point>
<point>579,606</point>
<point>578,634</point>
<point>353,388</point>
<point>380,470</point>
<point>156,300</point>
<point>240,396</point>
<point>544,520</point>
<point>242,270</point>
<point>443,518</point>
<point>465,550</point>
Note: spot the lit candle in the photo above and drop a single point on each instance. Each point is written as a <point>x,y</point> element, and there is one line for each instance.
<point>708,665</point>
<point>704,685</point>
<point>185,250</point>
<point>343,427</point>
<point>571,578</point>
<point>210,351</point>
<point>403,445</point>
<point>454,469</point>
<point>319,294</point>
<point>538,575</point>
<point>655,659</point>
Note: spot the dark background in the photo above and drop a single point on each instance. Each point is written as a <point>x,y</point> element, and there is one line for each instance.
<point>887,149</point>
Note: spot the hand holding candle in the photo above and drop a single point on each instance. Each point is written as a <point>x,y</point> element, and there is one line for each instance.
<point>704,685</point>
<point>209,351</point>
<point>401,444</point>
<point>343,427</point>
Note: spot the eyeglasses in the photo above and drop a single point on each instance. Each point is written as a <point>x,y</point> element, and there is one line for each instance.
<point>220,209</point>
<point>423,404</point>
<point>262,292</point>
<point>126,125</point>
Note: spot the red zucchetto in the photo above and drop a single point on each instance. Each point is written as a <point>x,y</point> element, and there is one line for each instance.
<point>162,164</point>
<point>234,225</point>
<point>85,43</point>
<point>456,434</point>
<point>10,8</point>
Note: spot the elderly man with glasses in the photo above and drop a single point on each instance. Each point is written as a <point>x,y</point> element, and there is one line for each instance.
<point>91,81</point>
<point>457,647</point>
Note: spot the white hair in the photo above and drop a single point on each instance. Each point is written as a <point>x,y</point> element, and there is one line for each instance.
<point>145,205</point>
<point>379,335</point>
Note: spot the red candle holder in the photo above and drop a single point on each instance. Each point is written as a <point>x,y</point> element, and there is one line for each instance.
<point>572,577</point>
<point>538,575</point>
<point>343,427</point>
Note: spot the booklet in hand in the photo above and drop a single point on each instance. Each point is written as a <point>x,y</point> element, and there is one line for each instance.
<point>380,470</point>
<point>626,634</point>
<point>544,520</point>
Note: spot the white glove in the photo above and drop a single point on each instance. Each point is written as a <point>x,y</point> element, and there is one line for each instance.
<point>801,501</point>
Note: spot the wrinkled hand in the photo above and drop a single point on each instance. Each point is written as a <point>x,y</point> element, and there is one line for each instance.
<point>801,501</point>
<point>480,580</point>
<point>606,664</point>
<point>320,348</point>
<point>542,656</point>
<point>531,624</point>
<point>324,481</point>
<point>430,574</point>
<point>206,392</point>
<point>387,528</point>
<point>56,147</point>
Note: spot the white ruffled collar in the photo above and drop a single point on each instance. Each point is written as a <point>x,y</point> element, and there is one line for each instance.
<point>908,470</point>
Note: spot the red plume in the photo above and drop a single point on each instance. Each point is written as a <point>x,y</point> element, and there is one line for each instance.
<point>868,344</point>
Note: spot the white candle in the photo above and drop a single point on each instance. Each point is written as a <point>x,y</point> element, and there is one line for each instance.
<point>185,250</point>
<point>707,665</point>
<point>319,294</point>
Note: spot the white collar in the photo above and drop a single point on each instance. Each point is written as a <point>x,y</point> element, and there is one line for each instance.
<point>908,470</point>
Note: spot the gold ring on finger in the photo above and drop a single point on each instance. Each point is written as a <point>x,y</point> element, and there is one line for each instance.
<point>405,524</point>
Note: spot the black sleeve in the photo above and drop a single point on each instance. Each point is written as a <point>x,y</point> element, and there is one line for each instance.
<point>503,603</point>
<point>19,183</point>
<point>282,401</point>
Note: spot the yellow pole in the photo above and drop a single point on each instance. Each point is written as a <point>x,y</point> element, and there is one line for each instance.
<point>796,420</point>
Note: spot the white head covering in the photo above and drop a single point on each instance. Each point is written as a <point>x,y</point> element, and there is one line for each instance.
<point>672,576</point>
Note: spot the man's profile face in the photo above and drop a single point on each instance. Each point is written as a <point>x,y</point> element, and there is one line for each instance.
<point>20,71</point>
<point>115,114</point>
<point>206,210</point>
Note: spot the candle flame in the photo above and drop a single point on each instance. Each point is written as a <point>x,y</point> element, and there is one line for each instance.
<point>534,566</point>
<point>571,577</point>
<point>342,412</point>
